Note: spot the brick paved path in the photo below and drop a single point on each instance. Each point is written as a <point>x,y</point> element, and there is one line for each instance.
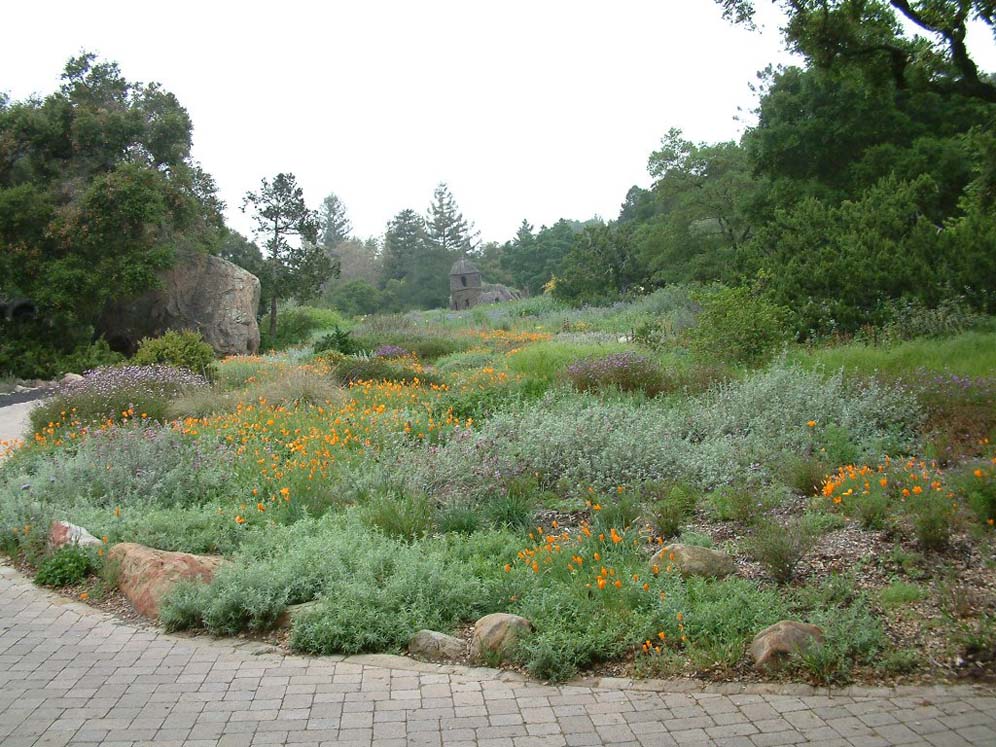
<point>72,675</point>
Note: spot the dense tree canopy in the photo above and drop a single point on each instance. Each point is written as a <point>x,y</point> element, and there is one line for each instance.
<point>935,58</point>
<point>98,193</point>
<point>869,176</point>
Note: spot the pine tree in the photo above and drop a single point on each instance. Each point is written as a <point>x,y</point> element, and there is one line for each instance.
<point>447,229</point>
<point>404,243</point>
<point>335,225</point>
<point>279,213</point>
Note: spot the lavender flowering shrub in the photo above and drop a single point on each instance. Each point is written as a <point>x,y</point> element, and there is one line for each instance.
<point>390,351</point>
<point>115,392</point>
<point>628,371</point>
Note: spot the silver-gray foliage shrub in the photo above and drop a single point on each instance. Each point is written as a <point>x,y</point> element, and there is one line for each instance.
<point>736,431</point>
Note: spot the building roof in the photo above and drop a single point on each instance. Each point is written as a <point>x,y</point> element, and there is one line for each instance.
<point>464,266</point>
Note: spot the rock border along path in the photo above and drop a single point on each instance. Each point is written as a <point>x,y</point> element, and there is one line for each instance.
<point>70,674</point>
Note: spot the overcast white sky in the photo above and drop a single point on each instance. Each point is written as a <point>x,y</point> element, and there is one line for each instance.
<point>537,110</point>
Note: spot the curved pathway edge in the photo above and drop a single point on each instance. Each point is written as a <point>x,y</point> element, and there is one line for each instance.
<point>70,674</point>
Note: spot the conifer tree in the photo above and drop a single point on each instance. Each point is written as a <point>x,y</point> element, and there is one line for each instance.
<point>280,213</point>
<point>335,225</point>
<point>446,227</point>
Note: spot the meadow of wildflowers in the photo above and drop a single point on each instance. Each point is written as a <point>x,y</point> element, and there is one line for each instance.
<point>530,459</point>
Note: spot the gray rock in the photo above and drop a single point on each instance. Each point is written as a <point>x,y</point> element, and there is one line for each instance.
<point>201,292</point>
<point>70,378</point>
<point>63,533</point>
<point>773,645</point>
<point>435,646</point>
<point>294,611</point>
<point>496,632</point>
<point>690,560</point>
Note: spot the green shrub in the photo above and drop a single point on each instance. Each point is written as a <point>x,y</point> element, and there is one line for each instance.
<point>132,467</point>
<point>66,566</point>
<point>459,519</point>
<point>871,508</point>
<point>202,403</point>
<point>671,505</point>
<point>780,548</point>
<point>820,522</point>
<point>977,484</point>
<point>374,591</point>
<point>297,385</point>
<point>184,605</point>
<point>904,661</point>
<point>933,515</point>
<point>910,319</point>
<point>514,507</point>
<point>804,473</point>
<point>722,617</point>
<point>400,514</point>
<point>186,349</point>
<point>735,433</point>
<point>470,360</point>
<point>619,511</point>
<point>426,347</point>
<point>352,370</point>
<point>738,326</point>
<point>296,325</point>
<point>696,539</point>
<point>482,401</point>
<point>338,340</point>
<point>742,504</point>
<point>898,594</point>
<point>238,371</point>
<point>852,635</point>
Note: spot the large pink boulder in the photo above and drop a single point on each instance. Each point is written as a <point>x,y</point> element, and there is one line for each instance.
<point>145,575</point>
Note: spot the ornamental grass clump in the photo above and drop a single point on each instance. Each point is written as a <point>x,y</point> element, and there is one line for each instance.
<point>114,393</point>
<point>627,371</point>
<point>780,548</point>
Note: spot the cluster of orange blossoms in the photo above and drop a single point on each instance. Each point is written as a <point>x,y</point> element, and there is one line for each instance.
<point>904,480</point>
<point>559,550</point>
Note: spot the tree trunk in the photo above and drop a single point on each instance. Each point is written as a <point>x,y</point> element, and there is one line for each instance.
<point>273,283</point>
<point>273,318</point>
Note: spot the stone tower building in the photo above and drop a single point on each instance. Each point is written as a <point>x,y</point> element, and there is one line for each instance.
<point>465,284</point>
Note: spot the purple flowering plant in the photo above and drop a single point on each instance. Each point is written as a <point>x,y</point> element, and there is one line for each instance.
<point>628,371</point>
<point>115,393</point>
<point>390,351</point>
